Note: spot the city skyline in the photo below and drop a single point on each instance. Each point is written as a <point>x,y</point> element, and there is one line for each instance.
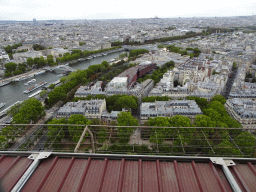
<point>48,10</point>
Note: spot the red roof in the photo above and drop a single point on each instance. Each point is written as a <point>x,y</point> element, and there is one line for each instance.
<point>83,172</point>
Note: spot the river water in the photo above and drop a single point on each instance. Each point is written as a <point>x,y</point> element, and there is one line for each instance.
<point>13,92</point>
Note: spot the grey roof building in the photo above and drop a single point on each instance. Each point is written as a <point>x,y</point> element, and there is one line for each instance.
<point>243,110</point>
<point>91,109</point>
<point>169,108</point>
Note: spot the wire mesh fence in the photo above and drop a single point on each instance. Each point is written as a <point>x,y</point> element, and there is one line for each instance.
<point>107,139</point>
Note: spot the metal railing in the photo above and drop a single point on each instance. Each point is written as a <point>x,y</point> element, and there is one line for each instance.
<point>144,140</point>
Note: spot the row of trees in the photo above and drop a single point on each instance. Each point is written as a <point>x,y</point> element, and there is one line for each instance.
<point>14,69</point>
<point>192,52</point>
<point>38,47</point>
<point>190,34</point>
<point>156,98</point>
<point>126,42</point>
<point>219,142</point>
<point>137,52</point>
<point>76,54</point>
<point>74,79</point>
<point>211,30</point>
<point>40,62</point>
<point>9,48</point>
<point>56,134</point>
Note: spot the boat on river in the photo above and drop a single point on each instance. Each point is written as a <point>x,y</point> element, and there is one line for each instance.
<point>2,105</point>
<point>36,86</point>
<point>34,94</point>
<point>40,72</point>
<point>3,83</point>
<point>30,82</point>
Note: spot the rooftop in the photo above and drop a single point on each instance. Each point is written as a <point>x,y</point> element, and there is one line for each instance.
<point>87,172</point>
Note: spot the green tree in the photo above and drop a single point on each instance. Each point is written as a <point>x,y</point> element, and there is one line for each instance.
<point>30,111</point>
<point>160,46</point>
<point>11,67</point>
<point>225,148</point>
<point>58,94</point>
<point>102,135</point>
<point>49,59</point>
<point>76,132</point>
<point>179,121</point>
<point>43,93</point>
<point>127,102</point>
<point>41,62</point>
<point>204,121</point>
<point>56,133</point>
<point>3,142</point>
<point>14,109</point>
<point>218,106</point>
<point>159,135</point>
<point>234,66</point>
<point>51,86</point>
<point>246,142</point>
<point>105,64</point>
<point>125,119</point>
<point>137,52</point>
<point>8,74</point>
<point>219,98</point>
<point>38,47</point>
<point>17,72</point>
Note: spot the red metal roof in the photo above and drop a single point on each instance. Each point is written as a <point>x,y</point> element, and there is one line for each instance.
<point>245,176</point>
<point>124,173</point>
<point>11,170</point>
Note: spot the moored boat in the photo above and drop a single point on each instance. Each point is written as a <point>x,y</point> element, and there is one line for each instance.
<point>3,83</point>
<point>36,86</point>
<point>40,72</point>
<point>30,82</point>
<point>2,105</point>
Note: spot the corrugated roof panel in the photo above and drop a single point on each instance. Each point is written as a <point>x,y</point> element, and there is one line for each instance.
<point>244,177</point>
<point>188,177</point>
<point>67,173</point>
<point>130,176</point>
<point>207,178</point>
<point>36,178</point>
<point>169,178</point>
<point>5,164</point>
<point>56,176</point>
<point>149,176</point>
<point>75,175</point>
<point>13,169</point>
<point>111,178</point>
<point>92,181</point>
<point>241,186</point>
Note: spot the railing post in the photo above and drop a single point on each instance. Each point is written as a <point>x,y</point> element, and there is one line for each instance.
<point>81,139</point>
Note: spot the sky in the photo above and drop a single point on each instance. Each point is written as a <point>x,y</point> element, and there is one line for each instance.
<point>26,10</point>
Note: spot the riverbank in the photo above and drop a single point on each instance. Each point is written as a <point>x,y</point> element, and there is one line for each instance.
<point>33,72</point>
<point>13,92</point>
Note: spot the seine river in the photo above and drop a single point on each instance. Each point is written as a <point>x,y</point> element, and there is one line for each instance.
<point>13,92</point>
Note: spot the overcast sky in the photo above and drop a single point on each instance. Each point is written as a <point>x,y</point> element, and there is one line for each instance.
<point>113,9</point>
